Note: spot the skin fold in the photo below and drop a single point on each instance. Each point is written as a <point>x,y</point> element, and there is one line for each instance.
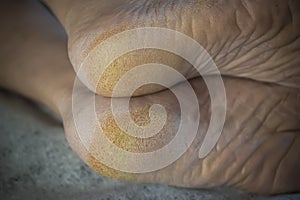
<point>259,147</point>
<point>257,40</point>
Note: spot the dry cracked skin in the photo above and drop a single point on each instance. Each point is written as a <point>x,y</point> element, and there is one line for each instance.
<point>258,40</point>
<point>255,45</point>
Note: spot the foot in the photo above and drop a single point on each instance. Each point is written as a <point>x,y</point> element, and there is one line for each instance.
<point>254,40</point>
<point>258,150</point>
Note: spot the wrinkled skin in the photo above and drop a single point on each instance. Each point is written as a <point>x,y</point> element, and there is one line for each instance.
<point>258,40</point>
<point>259,148</point>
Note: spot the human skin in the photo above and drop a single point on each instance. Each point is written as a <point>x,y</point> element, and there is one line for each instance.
<point>258,40</point>
<point>258,150</point>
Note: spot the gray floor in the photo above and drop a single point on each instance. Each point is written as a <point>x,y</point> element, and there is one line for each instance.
<point>37,163</point>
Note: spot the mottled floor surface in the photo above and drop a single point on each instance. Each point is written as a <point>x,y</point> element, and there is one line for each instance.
<point>37,163</point>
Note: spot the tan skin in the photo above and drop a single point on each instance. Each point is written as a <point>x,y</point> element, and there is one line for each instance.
<point>257,152</point>
<point>258,40</point>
